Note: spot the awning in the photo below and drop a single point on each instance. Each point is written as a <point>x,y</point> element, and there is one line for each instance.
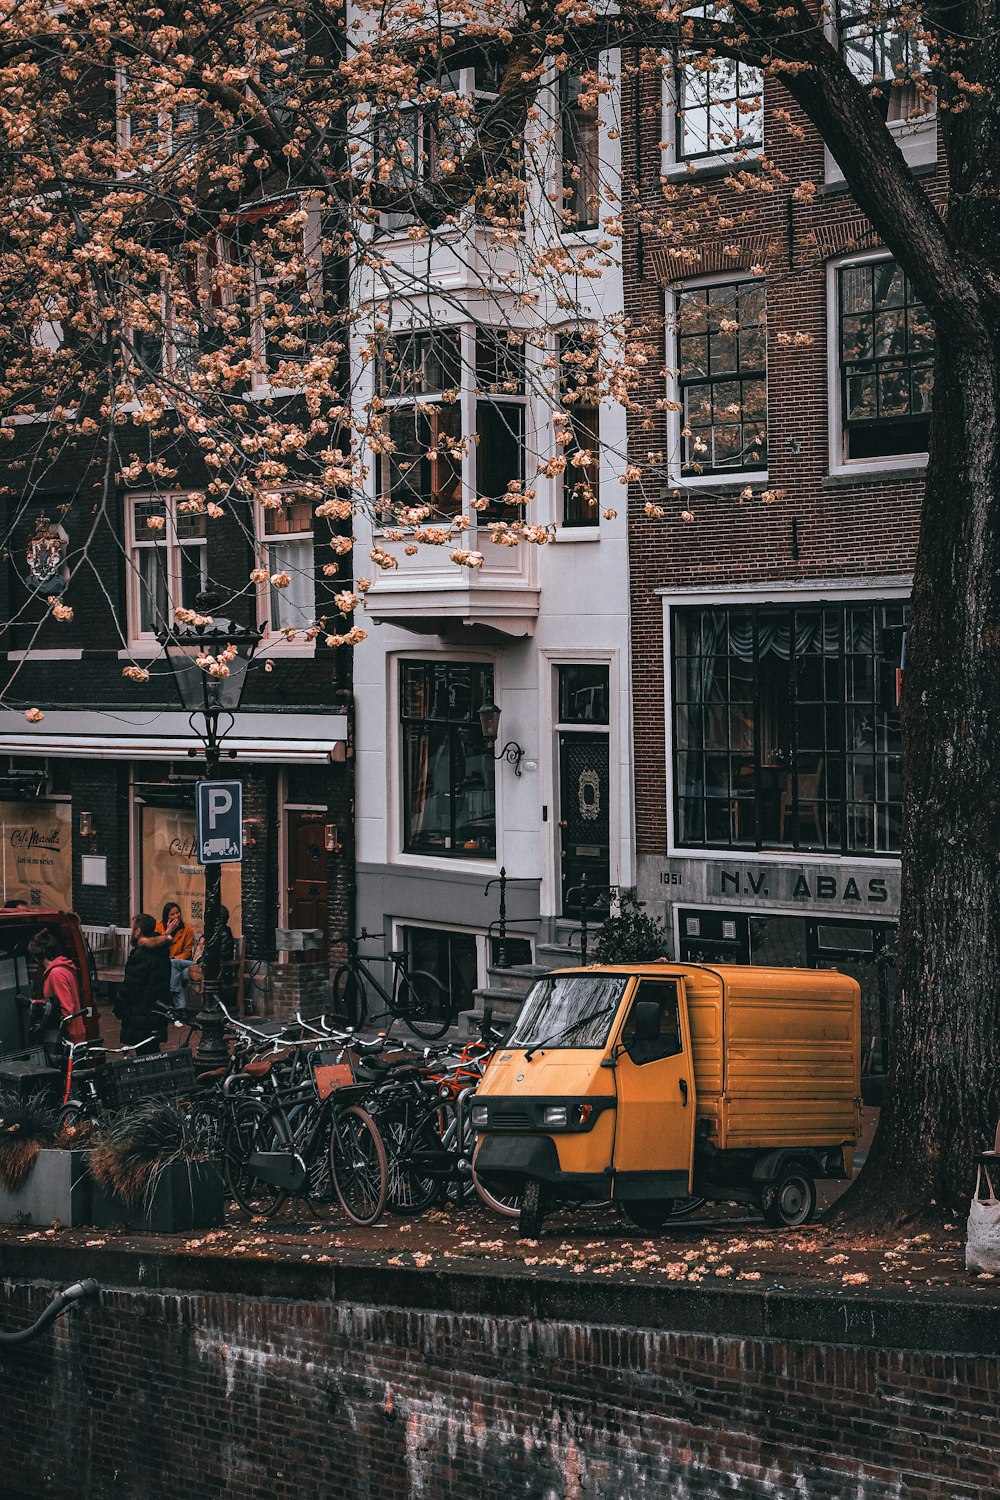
<point>136,734</point>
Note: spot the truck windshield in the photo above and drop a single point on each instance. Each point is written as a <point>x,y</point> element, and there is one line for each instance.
<point>580,1005</point>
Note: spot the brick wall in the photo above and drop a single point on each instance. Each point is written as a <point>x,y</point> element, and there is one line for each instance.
<point>300,1386</point>
<point>844,527</point>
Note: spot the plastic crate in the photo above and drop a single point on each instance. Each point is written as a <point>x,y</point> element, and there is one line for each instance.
<point>38,1056</point>
<point>167,1074</point>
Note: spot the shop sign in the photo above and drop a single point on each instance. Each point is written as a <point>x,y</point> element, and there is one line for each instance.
<point>842,887</point>
<point>36,839</point>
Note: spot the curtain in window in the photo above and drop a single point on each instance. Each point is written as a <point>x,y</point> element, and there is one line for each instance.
<point>293,607</point>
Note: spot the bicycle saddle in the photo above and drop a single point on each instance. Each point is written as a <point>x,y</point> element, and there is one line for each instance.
<point>396,954</point>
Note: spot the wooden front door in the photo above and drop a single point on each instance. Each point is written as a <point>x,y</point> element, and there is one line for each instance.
<point>307,872</point>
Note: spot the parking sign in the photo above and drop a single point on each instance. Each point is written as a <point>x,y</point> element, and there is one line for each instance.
<point>219,821</point>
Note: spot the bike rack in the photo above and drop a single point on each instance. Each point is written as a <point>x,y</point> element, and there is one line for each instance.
<point>58,1305</point>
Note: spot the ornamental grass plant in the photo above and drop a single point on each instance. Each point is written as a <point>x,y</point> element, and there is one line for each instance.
<point>130,1150</point>
<point>26,1125</point>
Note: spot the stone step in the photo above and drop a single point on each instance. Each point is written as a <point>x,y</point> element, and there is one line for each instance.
<point>517,979</point>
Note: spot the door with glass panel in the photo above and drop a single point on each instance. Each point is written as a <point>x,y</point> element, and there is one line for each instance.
<point>584,786</point>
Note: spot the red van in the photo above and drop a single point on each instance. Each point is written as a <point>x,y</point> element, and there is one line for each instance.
<point>20,976</point>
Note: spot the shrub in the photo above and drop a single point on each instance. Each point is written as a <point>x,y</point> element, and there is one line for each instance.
<point>630,935</point>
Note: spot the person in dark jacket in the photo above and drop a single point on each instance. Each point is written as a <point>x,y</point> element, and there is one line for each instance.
<point>143,1001</point>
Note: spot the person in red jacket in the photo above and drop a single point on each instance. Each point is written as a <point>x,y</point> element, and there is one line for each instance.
<point>60,987</point>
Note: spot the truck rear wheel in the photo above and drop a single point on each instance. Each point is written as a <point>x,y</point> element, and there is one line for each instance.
<point>790,1199</point>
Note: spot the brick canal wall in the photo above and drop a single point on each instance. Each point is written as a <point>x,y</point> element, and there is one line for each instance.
<point>207,1378</point>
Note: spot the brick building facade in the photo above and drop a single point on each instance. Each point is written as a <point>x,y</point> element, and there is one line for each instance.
<point>96,798</point>
<point>769,596</point>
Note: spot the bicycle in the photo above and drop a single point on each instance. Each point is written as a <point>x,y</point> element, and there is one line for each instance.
<point>416,997</point>
<point>305,1134</point>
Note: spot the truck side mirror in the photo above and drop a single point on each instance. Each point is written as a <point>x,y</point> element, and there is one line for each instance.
<point>646,1021</point>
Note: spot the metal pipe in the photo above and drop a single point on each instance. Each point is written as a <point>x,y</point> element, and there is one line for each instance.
<point>59,1303</point>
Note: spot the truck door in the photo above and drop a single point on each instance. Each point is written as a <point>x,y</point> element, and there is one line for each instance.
<point>654,1131</point>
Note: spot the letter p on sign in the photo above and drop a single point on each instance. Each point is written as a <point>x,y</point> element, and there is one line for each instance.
<point>219,820</point>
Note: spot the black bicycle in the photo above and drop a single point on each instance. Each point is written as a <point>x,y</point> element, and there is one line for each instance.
<point>416,998</point>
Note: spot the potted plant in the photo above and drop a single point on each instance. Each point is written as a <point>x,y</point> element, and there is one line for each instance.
<point>630,935</point>
<point>150,1173</point>
<point>43,1169</point>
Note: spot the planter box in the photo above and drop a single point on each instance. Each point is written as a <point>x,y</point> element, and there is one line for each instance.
<point>57,1187</point>
<point>188,1195</point>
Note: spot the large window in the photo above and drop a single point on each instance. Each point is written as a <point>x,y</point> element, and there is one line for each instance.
<point>166,560</point>
<point>719,103</point>
<point>886,351</point>
<point>579,365</point>
<point>286,539</point>
<point>421,379</point>
<point>786,727</point>
<point>449,799</point>
<point>581,160</point>
<point>722,376</point>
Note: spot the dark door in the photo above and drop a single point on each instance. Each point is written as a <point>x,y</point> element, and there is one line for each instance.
<point>584,819</point>
<point>306,870</point>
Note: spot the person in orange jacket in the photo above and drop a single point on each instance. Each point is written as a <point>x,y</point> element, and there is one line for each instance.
<point>173,926</point>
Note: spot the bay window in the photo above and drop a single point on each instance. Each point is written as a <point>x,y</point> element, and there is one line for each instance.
<point>421,380</point>
<point>500,419</point>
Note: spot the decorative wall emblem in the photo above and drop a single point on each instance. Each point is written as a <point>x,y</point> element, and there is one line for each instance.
<point>46,557</point>
<point>589,793</point>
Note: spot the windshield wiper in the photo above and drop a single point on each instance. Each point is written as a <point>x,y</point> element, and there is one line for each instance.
<point>569,1030</point>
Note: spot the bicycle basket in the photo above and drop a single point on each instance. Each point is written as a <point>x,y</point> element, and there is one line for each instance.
<point>331,1071</point>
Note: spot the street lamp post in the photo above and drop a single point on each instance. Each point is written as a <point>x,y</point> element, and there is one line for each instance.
<point>209,659</point>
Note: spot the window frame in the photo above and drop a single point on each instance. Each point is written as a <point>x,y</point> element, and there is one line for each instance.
<point>166,542</point>
<point>565,338</point>
<point>840,466</point>
<point>887,596</point>
<point>676,420</point>
<point>568,185</point>
<point>164,129</point>
<point>915,135</point>
<point>453,852</point>
<point>672,162</point>
<point>274,641</point>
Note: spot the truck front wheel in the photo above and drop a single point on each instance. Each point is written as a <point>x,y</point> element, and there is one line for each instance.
<point>532,1211</point>
<point>790,1199</point>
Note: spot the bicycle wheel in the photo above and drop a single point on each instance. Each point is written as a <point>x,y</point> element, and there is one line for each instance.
<point>206,1121</point>
<point>508,1204</point>
<point>349,999</point>
<point>358,1164</point>
<point>312,1140</point>
<point>422,1002</point>
<point>252,1127</point>
<point>405,1133</point>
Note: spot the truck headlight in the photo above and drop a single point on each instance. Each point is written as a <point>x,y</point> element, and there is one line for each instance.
<point>480,1114</point>
<point>554,1115</point>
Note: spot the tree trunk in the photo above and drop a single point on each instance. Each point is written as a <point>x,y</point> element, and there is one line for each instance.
<point>943,1089</point>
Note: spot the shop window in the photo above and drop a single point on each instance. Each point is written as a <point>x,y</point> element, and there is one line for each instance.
<point>580,150</point>
<point>786,727</point>
<point>449,796</point>
<point>722,377</point>
<point>453,959</point>
<point>420,383</point>
<point>500,421</point>
<point>166,562</point>
<point>579,367</point>
<point>886,352</point>
<point>286,539</point>
<point>718,103</point>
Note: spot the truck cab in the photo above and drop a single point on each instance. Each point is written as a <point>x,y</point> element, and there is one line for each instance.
<point>653,1083</point>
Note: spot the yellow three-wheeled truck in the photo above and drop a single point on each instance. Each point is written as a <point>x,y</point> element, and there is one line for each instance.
<point>653,1083</point>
